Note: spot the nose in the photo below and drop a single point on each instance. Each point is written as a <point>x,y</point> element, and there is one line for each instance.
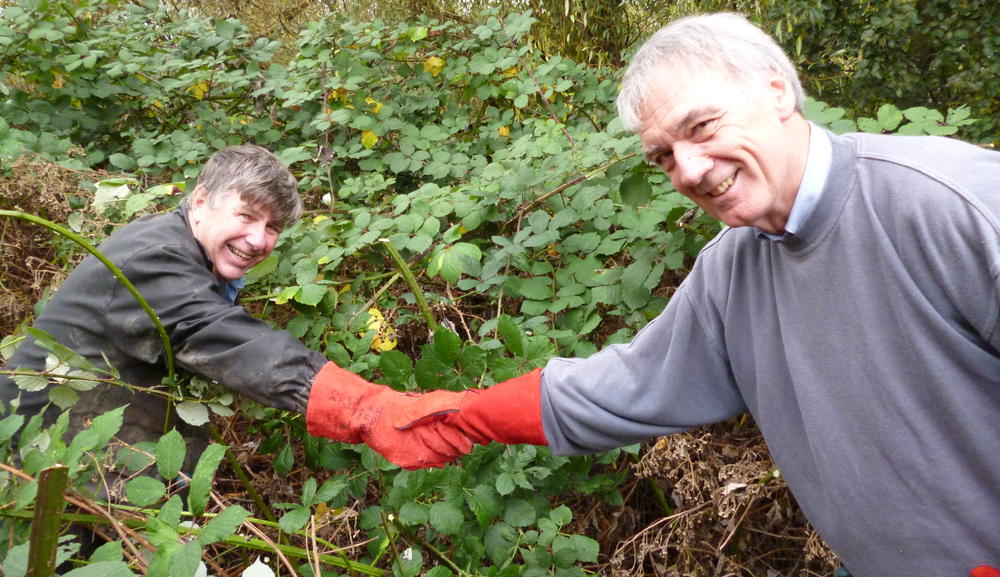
<point>256,235</point>
<point>691,165</point>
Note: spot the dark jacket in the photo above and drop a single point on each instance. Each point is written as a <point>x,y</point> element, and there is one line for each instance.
<point>99,318</point>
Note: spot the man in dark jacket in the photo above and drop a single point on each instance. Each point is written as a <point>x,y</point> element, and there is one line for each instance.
<point>189,264</point>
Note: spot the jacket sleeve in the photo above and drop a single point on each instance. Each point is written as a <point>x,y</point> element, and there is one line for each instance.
<point>209,335</point>
<point>670,378</point>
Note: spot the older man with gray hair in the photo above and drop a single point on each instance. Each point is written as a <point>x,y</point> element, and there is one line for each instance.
<point>852,306</point>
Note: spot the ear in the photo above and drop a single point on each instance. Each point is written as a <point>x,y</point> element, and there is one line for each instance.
<point>199,200</point>
<point>781,94</point>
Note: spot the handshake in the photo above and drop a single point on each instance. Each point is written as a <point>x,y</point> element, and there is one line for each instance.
<point>415,430</point>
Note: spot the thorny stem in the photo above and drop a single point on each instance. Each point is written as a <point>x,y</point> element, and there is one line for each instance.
<point>411,281</point>
<point>168,350</point>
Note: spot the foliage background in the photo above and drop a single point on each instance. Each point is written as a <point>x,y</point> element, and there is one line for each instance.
<point>466,178</point>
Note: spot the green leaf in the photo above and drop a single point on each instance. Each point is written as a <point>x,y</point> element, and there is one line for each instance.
<point>396,366</point>
<point>510,334</point>
<point>9,426</point>
<point>447,346</point>
<point>170,452</point>
<point>295,519</point>
<point>284,460</point>
<point>452,261</point>
<point>500,541</point>
<point>185,560</point>
<point>446,518</point>
<point>889,117</point>
<point>102,569</point>
<point>193,413</point>
<point>519,513</point>
<point>636,190</point>
<point>63,397</point>
<point>587,549</point>
<point>485,503</point>
<point>201,481</point>
<point>122,161</point>
<point>31,383</point>
<point>223,525</point>
<point>145,491</point>
<point>311,294</point>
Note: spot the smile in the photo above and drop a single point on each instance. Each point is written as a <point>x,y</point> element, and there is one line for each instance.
<point>240,253</point>
<point>723,186</point>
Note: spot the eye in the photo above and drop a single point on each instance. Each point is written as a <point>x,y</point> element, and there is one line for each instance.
<point>702,126</point>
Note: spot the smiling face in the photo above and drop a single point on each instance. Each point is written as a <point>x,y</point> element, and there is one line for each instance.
<point>737,151</point>
<point>235,234</point>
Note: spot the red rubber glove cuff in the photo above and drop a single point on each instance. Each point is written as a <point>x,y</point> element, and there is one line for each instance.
<point>509,412</point>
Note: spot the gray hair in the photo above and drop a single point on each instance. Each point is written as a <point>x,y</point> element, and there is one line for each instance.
<point>257,175</point>
<point>725,41</point>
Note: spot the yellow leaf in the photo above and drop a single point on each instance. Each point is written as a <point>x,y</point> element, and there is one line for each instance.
<point>375,104</point>
<point>320,218</point>
<point>383,344</point>
<point>512,71</point>
<point>504,131</point>
<point>434,65</point>
<point>199,90</point>
<point>58,82</point>
<point>368,139</point>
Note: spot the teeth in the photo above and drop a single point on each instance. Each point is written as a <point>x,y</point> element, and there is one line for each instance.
<point>240,253</point>
<point>723,186</point>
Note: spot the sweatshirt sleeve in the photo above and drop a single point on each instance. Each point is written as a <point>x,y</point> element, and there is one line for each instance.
<point>209,335</point>
<point>670,378</point>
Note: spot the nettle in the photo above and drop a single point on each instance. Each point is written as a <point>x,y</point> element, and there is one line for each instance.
<point>474,209</point>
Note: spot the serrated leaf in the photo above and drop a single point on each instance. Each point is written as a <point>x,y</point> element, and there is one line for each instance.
<point>193,413</point>
<point>145,491</point>
<point>186,560</point>
<point>294,519</point>
<point>505,484</point>
<point>447,346</point>
<point>485,504</point>
<point>284,460</point>
<point>311,294</point>
<point>102,569</point>
<point>396,366</point>
<point>446,518</point>
<point>519,513</point>
<point>510,334</point>
<point>330,489</point>
<point>201,481</point>
<point>31,383</point>
<point>170,452</point>
<point>9,426</point>
<point>223,525</point>
<point>500,541</point>
<point>63,397</point>
<point>587,549</point>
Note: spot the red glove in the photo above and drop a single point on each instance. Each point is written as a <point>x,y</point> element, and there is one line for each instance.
<point>344,407</point>
<point>984,571</point>
<point>509,412</point>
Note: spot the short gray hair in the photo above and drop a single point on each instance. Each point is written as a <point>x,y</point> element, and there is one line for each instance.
<point>257,175</point>
<point>725,41</point>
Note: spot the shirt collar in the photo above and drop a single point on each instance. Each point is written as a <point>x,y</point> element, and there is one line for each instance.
<point>231,289</point>
<point>818,162</point>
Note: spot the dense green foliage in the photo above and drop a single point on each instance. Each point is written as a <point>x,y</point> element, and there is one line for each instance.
<point>478,193</point>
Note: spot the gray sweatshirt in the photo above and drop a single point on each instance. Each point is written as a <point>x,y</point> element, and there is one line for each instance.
<point>865,347</point>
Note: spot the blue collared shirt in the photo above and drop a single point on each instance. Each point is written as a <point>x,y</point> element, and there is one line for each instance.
<point>818,162</point>
<point>231,289</point>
